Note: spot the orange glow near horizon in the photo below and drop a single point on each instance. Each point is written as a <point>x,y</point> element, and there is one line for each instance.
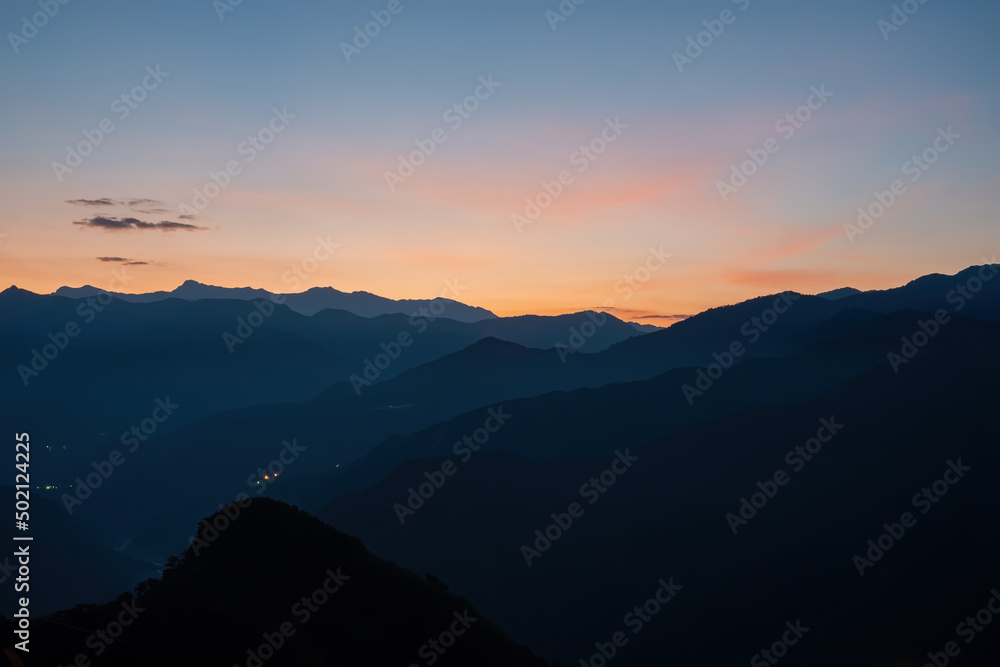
<point>654,307</point>
<point>453,220</point>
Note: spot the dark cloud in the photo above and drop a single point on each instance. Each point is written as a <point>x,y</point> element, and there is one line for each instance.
<point>168,226</point>
<point>126,261</point>
<point>93,202</point>
<point>629,314</point>
<point>188,217</point>
<point>151,211</point>
<point>145,202</point>
<point>637,313</point>
<point>107,223</point>
<point>118,224</point>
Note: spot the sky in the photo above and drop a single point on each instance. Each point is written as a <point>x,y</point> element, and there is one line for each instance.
<point>547,157</point>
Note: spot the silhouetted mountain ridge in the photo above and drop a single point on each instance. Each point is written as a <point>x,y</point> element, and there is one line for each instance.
<point>666,516</point>
<point>309,302</point>
<point>264,566</point>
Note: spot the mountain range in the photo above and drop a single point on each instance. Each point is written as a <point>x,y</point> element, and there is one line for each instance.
<point>463,456</point>
<point>309,302</point>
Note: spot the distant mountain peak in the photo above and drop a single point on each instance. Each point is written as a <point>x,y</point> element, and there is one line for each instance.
<point>839,293</point>
<point>77,292</point>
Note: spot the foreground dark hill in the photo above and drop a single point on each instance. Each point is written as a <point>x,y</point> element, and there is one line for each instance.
<point>277,586</point>
<point>793,558</point>
<point>309,302</point>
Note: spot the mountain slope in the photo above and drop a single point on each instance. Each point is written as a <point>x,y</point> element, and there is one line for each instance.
<point>667,514</point>
<point>275,572</point>
<point>102,367</point>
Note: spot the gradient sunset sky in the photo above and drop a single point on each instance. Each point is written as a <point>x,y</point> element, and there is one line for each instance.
<point>324,175</point>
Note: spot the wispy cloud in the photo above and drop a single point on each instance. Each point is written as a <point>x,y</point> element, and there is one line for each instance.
<point>123,224</point>
<point>93,202</point>
<point>123,260</point>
